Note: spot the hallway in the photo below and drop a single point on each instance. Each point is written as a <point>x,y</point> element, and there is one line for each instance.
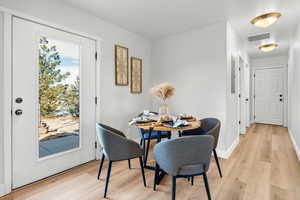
<point>263,167</point>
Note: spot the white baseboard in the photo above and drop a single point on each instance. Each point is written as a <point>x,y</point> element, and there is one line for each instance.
<point>2,190</point>
<point>226,154</point>
<point>294,144</point>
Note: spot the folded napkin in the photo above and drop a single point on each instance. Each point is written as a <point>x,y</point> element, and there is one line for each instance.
<point>148,113</point>
<point>140,120</point>
<point>177,123</point>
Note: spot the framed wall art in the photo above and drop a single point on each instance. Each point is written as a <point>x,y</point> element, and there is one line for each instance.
<point>136,75</point>
<point>121,65</point>
<point>232,74</point>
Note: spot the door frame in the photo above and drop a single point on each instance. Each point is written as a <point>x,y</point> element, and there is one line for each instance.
<point>241,95</point>
<point>6,188</point>
<point>285,92</point>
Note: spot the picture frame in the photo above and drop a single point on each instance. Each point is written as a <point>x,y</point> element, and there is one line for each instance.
<point>233,78</point>
<point>121,65</point>
<point>136,75</point>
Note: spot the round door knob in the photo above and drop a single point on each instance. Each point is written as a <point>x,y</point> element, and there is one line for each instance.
<point>19,112</point>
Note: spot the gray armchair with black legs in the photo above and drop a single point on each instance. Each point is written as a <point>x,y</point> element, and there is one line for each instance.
<point>116,147</point>
<point>184,157</point>
<point>209,126</point>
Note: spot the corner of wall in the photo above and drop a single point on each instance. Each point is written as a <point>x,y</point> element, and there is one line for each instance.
<point>227,153</point>
<point>2,190</point>
<point>296,148</point>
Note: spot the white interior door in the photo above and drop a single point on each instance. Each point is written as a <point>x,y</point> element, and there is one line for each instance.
<point>247,95</point>
<point>269,96</point>
<point>242,97</point>
<point>53,101</point>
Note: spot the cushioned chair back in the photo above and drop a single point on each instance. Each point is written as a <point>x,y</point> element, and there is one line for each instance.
<point>211,126</point>
<point>107,137</point>
<point>174,154</point>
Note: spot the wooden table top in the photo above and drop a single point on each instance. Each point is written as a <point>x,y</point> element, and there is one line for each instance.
<point>157,127</point>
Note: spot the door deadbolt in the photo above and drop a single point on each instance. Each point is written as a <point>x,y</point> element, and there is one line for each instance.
<point>19,100</point>
<point>19,112</point>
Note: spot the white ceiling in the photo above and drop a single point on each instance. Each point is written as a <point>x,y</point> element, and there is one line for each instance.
<point>154,19</point>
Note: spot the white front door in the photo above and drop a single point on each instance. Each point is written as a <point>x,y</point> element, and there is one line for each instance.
<point>53,101</point>
<point>269,96</point>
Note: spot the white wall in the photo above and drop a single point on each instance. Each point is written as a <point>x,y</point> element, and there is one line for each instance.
<point>1,98</point>
<point>117,105</point>
<point>235,48</point>
<point>294,91</point>
<point>272,61</point>
<point>195,63</point>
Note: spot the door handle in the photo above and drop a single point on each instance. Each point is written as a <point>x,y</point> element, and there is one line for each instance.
<point>19,112</point>
<point>247,99</point>
<point>19,100</point>
<point>280,99</point>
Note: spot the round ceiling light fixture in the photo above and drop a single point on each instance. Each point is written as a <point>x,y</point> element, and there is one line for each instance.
<point>268,47</point>
<point>266,20</point>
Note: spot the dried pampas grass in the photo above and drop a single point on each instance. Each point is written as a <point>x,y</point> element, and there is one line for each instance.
<point>163,91</point>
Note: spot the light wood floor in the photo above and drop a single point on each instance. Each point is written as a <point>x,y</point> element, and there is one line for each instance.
<point>263,167</point>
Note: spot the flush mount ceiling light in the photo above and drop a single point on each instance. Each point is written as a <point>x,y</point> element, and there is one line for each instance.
<point>268,47</point>
<point>266,20</point>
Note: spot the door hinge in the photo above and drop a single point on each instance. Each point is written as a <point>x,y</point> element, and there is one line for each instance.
<point>239,69</point>
<point>96,55</point>
<point>11,112</point>
<point>254,116</point>
<point>239,95</point>
<point>239,122</point>
<point>254,96</point>
<point>96,100</point>
<point>96,145</point>
<point>254,75</point>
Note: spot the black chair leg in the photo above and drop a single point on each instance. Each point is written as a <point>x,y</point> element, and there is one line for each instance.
<point>179,134</point>
<point>129,164</point>
<point>146,152</point>
<point>142,169</point>
<point>141,142</point>
<point>217,161</point>
<point>173,187</point>
<point>107,178</point>
<point>206,185</point>
<point>155,176</point>
<point>192,180</point>
<point>143,147</point>
<point>100,167</point>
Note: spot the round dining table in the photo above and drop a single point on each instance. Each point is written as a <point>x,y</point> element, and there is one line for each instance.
<point>159,128</point>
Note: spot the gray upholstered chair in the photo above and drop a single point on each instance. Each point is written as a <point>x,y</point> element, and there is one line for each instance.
<point>116,147</point>
<point>209,126</point>
<point>184,157</point>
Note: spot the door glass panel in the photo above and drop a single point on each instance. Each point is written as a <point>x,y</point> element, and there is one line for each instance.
<point>59,64</point>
